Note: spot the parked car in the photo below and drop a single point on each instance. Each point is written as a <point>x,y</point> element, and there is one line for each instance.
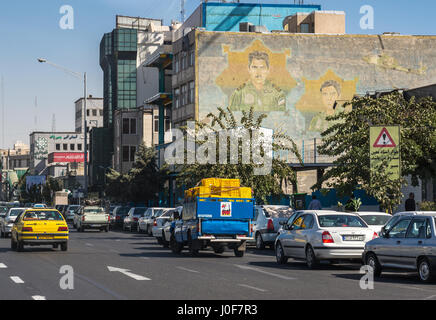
<point>266,223</point>
<point>323,235</point>
<point>401,214</point>
<point>71,211</point>
<point>375,220</point>
<point>118,215</point>
<point>159,222</point>
<point>7,220</point>
<point>409,244</point>
<point>61,208</point>
<point>146,222</point>
<point>3,209</point>
<point>167,227</point>
<point>91,217</point>
<point>40,205</point>
<point>131,220</point>
<point>37,227</point>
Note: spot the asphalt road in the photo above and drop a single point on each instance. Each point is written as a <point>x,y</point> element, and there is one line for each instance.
<point>120,265</point>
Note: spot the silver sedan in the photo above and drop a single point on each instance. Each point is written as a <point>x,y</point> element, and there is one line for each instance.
<point>410,244</point>
<point>323,235</point>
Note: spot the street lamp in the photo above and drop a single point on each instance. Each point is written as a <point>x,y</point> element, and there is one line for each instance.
<point>85,151</point>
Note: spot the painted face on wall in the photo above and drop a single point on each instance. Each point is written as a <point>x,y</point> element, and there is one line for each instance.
<point>258,71</point>
<point>329,96</point>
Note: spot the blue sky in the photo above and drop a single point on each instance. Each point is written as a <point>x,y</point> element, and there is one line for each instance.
<point>30,29</point>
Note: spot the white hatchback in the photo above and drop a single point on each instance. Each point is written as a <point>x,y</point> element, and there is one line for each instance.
<point>323,235</point>
<point>375,220</point>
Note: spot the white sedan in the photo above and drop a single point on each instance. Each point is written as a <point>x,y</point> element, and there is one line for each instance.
<point>375,220</point>
<point>323,235</point>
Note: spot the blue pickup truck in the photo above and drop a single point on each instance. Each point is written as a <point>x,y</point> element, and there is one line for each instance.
<point>214,222</point>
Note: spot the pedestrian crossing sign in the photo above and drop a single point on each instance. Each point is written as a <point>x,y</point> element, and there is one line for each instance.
<point>385,150</point>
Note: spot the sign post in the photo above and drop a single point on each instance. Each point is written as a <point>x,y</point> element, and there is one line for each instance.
<point>385,146</point>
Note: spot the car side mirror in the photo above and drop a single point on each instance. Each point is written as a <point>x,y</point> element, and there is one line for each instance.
<point>384,233</point>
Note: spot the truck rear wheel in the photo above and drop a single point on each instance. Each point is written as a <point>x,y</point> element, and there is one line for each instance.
<point>191,245</point>
<point>238,253</point>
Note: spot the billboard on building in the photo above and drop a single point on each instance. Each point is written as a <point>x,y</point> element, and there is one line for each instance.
<point>66,157</point>
<point>299,79</point>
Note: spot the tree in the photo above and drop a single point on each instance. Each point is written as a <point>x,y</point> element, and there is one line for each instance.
<point>347,139</point>
<point>263,185</point>
<point>142,183</point>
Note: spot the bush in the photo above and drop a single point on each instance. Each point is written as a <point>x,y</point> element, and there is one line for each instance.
<point>427,206</point>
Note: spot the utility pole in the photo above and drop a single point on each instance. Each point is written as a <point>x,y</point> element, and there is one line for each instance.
<point>182,10</point>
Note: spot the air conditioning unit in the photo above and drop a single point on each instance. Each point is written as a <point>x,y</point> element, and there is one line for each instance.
<point>245,26</point>
<point>260,29</point>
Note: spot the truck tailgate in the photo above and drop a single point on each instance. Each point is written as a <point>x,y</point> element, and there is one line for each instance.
<point>225,227</point>
<point>96,218</point>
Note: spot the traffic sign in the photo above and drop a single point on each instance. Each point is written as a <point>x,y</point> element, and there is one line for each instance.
<point>385,146</point>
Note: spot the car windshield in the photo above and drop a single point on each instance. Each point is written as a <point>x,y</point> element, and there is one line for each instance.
<point>340,221</point>
<point>74,208</point>
<point>15,212</point>
<point>375,220</point>
<point>167,213</point>
<point>278,212</point>
<point>139,211</point>
<point>158,213</point>
<point>93,210</point>
<point>42,215</point>
<point>123,211</point>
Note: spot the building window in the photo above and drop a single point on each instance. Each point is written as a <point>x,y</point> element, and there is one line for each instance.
<point>72,147</point>
<point>156,123</point>
<point>101,112</point>
<point>177,98</point>
<point>126,123</point>
<point>304,28</point>
<point>94,112</point>
<point>191,92</point>
<point>132,126</point>
<point>65,146</point>
<point>184,95</point>
<point>167,123</point>
<point>79,147</point>
<point>125,153</point>
<point>58,146</point>
<point>176,63</point>
<point>132,153</point>
<point>191,58</point>
<point>87,112</point>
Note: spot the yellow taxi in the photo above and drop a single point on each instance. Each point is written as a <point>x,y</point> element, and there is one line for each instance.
<point>37,227</point>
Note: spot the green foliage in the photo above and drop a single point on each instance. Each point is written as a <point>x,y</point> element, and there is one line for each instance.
<point>427,206</point>
<point>353,205</point>
<point>142,183</point>
<point>263,185</point>
<point>348,140</point>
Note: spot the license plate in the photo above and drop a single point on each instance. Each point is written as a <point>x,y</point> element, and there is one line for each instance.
<point>353,238</point>
<point>45,238</point>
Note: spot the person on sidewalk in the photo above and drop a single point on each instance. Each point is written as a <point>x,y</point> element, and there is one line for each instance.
<point>410,203</point>
<point>315,204</point>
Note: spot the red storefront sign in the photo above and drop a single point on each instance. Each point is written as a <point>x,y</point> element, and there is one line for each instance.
<point>66,157</point>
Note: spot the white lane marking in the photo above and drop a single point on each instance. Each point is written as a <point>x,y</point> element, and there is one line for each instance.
<point>189,270</point>
<point>431,297</point>
<point>254,288</point>
<point>3,266</point>
<point>89,245</point>
<point>127,273</point>
<point>264,272</point>
<point>38,298</point>
<point>17,279</point>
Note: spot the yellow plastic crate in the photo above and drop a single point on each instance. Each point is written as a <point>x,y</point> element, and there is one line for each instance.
<point>245,192</point>
<point>228,183</point>
<point>211,182</point>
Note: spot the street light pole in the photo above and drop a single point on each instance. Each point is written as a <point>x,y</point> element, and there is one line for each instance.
<point>85,151</point>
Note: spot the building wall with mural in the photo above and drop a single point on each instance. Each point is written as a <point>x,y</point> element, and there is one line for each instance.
<point>296,78</point>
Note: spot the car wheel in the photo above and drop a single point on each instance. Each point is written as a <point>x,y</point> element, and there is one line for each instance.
<point>13,244</point>
<point>106,229</point>
<point>372,261</point>
<point>192,251</point>
<point>64,246</point>
<point>238,253</point>
<point>149,232</point>
<point>425,270</point>
<point>259,242</point>
<point>174,245</point>
<point>280,254</point>
<point>311,260</point>
<point>20,246</point>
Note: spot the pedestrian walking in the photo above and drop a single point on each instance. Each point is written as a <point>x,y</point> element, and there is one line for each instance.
<point>410,203</point>
<point>315,204</point>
